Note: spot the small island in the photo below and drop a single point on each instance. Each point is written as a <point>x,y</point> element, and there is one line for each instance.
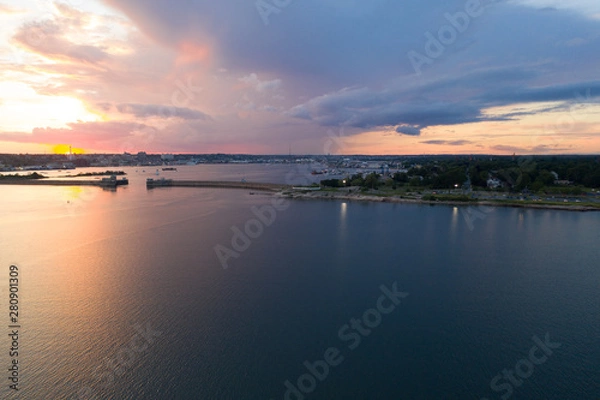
<point>17,177</point>
<point>105,173</point>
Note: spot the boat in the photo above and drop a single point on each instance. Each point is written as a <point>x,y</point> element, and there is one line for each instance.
<point>169,169</point>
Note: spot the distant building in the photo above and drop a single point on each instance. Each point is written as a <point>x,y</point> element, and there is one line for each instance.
<point>81,162</point>
<point>493,183</point>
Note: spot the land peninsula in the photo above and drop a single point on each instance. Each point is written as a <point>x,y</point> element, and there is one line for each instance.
<point>573,203</point>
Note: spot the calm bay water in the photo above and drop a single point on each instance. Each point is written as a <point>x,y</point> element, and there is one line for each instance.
<point>124,297</point>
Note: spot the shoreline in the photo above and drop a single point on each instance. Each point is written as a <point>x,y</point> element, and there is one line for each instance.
<point>398,200</point>
<point>291,192</point>
<point>63,182</point>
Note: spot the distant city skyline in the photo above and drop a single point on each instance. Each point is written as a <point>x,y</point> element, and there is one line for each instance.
<point>302,77</point>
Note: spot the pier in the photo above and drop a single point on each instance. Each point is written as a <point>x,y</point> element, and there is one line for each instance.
<point>155,183</point>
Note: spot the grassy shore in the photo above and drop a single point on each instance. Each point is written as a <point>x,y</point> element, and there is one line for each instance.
<point>459,199</point>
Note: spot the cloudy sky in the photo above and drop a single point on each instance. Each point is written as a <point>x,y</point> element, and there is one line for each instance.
<point>316,76</point>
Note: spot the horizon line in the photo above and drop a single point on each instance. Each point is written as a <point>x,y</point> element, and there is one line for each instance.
<point>313,155</point>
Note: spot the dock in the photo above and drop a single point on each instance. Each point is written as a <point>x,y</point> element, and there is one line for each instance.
<point>156,183</point>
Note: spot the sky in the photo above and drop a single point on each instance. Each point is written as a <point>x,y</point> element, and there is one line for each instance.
<point>306,77</point>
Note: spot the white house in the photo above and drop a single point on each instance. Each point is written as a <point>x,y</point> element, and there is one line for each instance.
<point>493,183</point>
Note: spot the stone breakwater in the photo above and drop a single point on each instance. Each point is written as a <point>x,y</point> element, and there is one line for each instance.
<point>152,183</point>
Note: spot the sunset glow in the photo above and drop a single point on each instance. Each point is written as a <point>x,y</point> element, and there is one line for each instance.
<point>108,75</point>
<point>66,149</point>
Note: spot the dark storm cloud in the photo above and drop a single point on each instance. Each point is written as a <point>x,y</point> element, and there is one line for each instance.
<point>345,63</point>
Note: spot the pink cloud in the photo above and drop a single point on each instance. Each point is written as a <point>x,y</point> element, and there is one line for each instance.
<point>87,135</point>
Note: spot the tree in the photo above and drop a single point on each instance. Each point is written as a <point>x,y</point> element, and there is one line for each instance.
<point>331,183</point>
<point>357,180</point>
<point>372,181</point>
<point>478,177</point>
<point>415,181</point>
<point>400,177</point>
<point>523,181</point>
<point>546,178</point>
<point>449,179</point>
<point>592,179</point>
<point>390,183</point>
<point>537,186</point>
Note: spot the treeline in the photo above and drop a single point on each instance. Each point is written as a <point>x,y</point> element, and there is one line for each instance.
<point>371,181</point>
<point>537,172</point>
<point>553,174</point>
